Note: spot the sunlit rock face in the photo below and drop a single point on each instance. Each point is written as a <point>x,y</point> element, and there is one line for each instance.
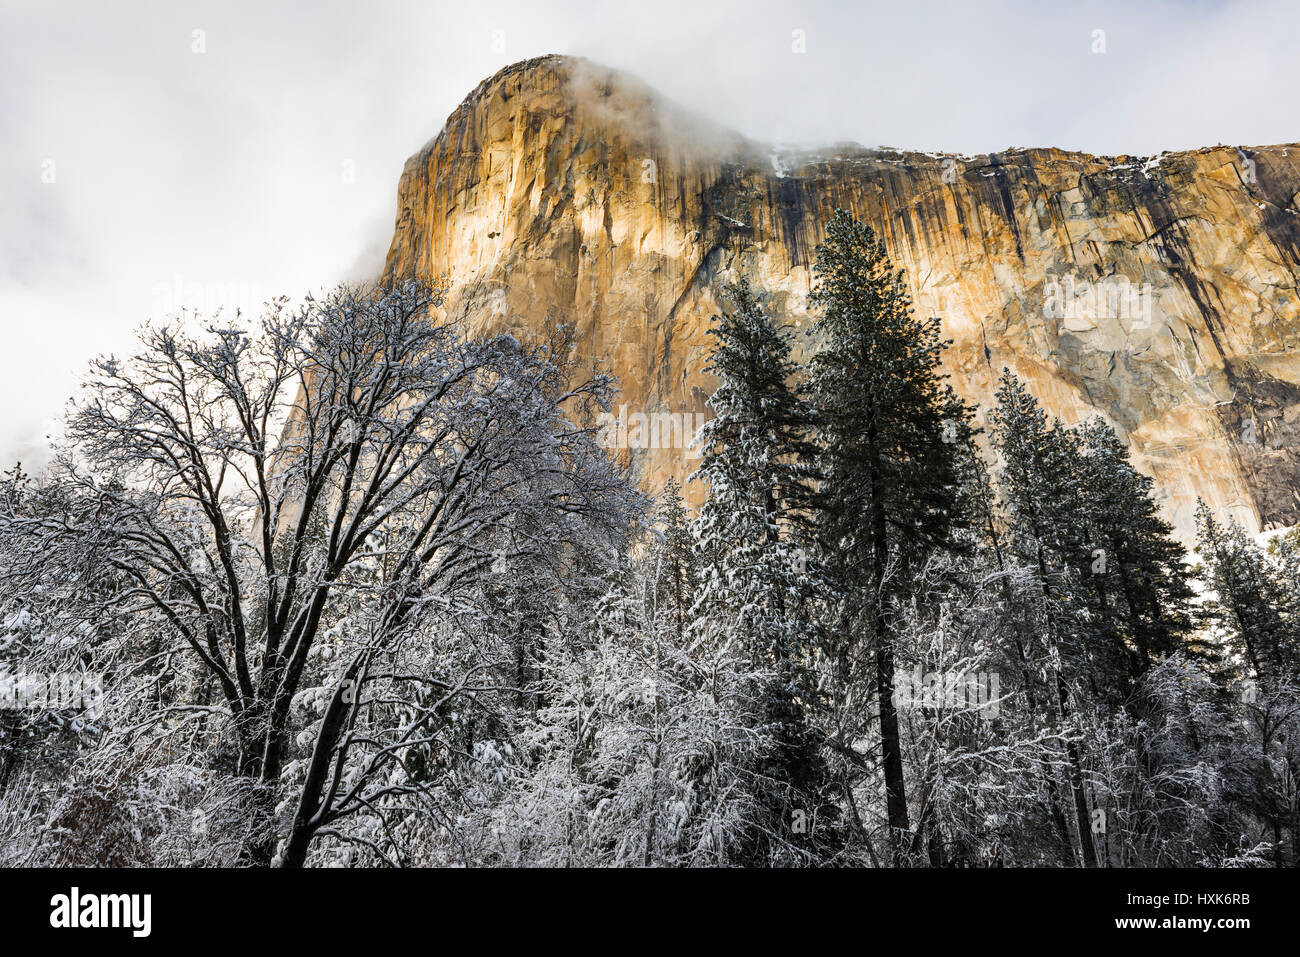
<point>1159,293</point>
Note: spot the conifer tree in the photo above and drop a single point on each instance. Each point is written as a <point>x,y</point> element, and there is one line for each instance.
<point>1249,600</point>
<point>674,554</point>
<point>758,586</point>
<point>1113,581</point>
<point>1134,566</point>
<point>887,468</point>
<point>1040,495</point>
<point>1251,607</point>
<point>751,446</point>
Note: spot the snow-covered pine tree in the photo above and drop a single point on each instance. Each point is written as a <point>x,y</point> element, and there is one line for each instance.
<point>674,558</point>
<point>1250,607</point>
<point>757,586</point>
<point>1134,569</point>
<point>1038,484</point>
<point>1249,600</point>
<point>887,471</point>
<point>1040,823</point>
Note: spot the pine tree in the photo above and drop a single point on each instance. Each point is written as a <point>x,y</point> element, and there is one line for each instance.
<point>1251,606</point>
<point>1040,494</point>
<point>674,558</point>
<point>1113,585</point>
<point>1019,610</point>
<point>757,586</point>
<point>887,470</point>
<point>1134,566</point>
<point>759,430</point>
<point>1249,602</point>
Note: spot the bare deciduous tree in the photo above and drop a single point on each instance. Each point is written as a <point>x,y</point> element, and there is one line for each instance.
<point>253,487</point>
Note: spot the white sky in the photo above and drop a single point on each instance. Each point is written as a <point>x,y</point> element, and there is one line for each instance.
<point>223,174</point>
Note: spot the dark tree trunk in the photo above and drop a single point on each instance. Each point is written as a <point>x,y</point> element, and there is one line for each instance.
<point>890,745</point>
<point>1076,785</point>
<point>8,761</point>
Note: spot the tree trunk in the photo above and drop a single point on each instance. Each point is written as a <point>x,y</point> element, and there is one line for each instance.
<point>8,761</point>
<point>890,746</point>
<point>1076,784</point>
<point>255,728</point>
<point>307,819</point>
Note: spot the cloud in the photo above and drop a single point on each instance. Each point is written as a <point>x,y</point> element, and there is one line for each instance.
<point>268,162</point>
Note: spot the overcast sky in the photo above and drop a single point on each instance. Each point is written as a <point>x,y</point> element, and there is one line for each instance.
<point>144,166</point>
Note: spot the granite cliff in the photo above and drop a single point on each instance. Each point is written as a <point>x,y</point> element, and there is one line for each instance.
<point>1159,292</point>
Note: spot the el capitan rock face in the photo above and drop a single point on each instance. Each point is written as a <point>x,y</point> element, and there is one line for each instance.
<point>1157,292</point>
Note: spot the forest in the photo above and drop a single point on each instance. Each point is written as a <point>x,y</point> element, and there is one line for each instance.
<point>347,586</point>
